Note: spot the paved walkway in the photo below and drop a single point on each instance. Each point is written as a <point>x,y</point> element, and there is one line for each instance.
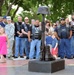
<point>20,67</point>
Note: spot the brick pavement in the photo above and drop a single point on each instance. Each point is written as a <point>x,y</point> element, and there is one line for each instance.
<point>20,67</point>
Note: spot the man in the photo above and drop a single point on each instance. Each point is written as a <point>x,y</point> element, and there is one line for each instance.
<point>19,46</point>
<point>32,21</point>
<point>1,21</point>
<point>26,31</point>
<point>64,34</point>
<point>72,38</point>
<point>9,30</point>
<point>36,41</point>
<point>4,20</point>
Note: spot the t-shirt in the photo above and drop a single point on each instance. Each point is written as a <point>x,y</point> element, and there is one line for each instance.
<point>26,28</point>
<point>54,41</point>
<point>2,24</point>
<point>48,40</point>
<point>62,31</point>
<point>35,32</point>
<point>18,26</point>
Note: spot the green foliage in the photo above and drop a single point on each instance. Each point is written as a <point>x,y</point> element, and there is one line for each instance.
<point>4,10</point>
<point>58,8</point>
<point>61,8</point>
<point>15,18</point>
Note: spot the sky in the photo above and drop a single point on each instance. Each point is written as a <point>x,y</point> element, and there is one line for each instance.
<point>19,11</point>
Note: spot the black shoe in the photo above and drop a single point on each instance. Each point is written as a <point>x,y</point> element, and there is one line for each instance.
<point>62,57</point>
<point>15,57</point>
<point>4,56</point>
<point>21,56</point>
<point>34,57</point>
<point>70,58</point>
<point>27,57</point>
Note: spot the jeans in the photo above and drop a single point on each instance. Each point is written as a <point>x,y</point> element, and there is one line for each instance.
<point>19,46</point>
<point>27,46</point>
<point>34,43</point>
<point>65,48</point>
<point>72,45</point>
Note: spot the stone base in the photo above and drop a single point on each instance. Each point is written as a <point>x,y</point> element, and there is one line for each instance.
<point>46,66</point>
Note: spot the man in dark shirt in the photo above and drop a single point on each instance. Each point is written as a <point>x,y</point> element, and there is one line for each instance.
<point>19,46</point>
<point>64,34</point>
<point>36,41</point>
<point>1,21</point>
<point>26,36</point>
<point>72,38</point>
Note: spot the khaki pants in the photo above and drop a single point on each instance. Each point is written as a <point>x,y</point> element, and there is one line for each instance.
<point>9,50</point>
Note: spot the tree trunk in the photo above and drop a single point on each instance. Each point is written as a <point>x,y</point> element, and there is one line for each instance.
<point>10,7</point>
<point>6,4</point>
<point>15,12</point>
<point>1,3</point>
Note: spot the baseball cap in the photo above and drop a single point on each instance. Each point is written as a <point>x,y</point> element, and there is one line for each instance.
<point>8,17</point>
<point>4,17</point>
<point>62,19</point>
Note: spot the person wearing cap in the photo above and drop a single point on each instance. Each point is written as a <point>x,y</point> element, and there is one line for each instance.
<point>9,30</point>
<point>4,20</point>
<point>1,21</point>
<point>64,34</point>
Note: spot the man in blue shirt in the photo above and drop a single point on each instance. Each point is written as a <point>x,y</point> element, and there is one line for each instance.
<point>64,34</point>
<point>2,23</point>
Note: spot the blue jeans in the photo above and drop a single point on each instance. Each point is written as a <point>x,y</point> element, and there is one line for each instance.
<point>27,46</point>
<point>34,43</point>
<point>72,45</point>
<point>65,48</point>
<point>19,46</point>
<point>59,48</point>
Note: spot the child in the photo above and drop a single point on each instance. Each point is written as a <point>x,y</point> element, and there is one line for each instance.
<point>3,44</point>
<point>49,40</point>
<point>54,51</point>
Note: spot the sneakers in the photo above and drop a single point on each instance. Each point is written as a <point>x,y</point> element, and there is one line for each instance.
<point>15,57</point>
<point>27,57</point>
<point>9,57</point>
<point>21,56</point>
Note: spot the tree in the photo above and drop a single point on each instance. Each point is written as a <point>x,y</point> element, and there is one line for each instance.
<point>61,8</point>
<point>1,3</point>
<point>58,8</point>
<point>9,8</point>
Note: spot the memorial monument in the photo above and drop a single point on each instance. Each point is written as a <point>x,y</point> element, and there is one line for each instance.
<point>47,62</point>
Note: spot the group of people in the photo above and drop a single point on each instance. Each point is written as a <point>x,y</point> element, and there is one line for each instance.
<point>22,35</point>
<point>26,38</point>
<point>64,33</point>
